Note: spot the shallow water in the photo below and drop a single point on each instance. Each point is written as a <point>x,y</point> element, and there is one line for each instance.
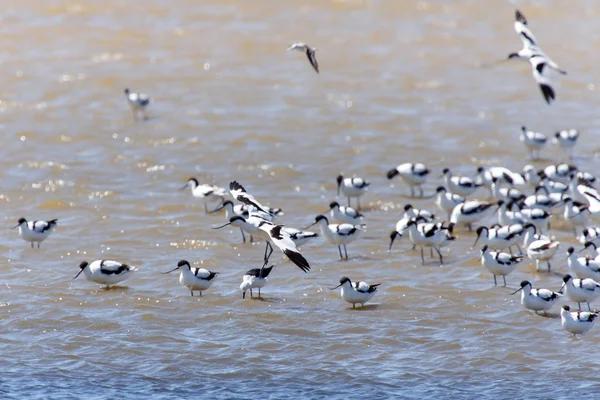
<point>400,82</point>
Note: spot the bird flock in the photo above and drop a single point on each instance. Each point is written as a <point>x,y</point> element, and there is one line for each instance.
<point>510,214</point>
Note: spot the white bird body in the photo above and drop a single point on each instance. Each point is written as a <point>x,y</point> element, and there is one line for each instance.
<point>578,322</point>
<point>469,212</point>
<point>414,175</point>
<point>539,217</point>
<point>460,185</point>
<point>344,215</point>
<point>138,103</point>
<point>577,216</point>
<point>534,141</point>
<point>240,194</point>
<point>339,234</point>
<point>507,217</point>
<point>255,279</point>
<point>300,237</point>
<point>194,278</point>
<point>581,290</point>
<point>590,234</point>
<point>352,187</point>
<point>558,172</point>
<point>566,140</point>
<point>501,237</point>
<point>356,292</point>
<point>310,53</point>
<point>205,192</point>
<point>583,267</point>
<point>537,299</point>
<point>485,176</point>
<point>498,263</point>
<point>106,272</point>
<point>447,201</point>
<point>35,231</point>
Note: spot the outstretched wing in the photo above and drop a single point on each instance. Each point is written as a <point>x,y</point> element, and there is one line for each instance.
<point>240,194</point>
<point>310,53</point>
<point>524,33</point>
<point>284,242</point>
<point>539,68</point>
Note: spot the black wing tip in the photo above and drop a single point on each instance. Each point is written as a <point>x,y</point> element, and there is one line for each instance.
<point>548,93</point>
<point>236,186</point>
<point>520,17</point>
<point>297,259</point>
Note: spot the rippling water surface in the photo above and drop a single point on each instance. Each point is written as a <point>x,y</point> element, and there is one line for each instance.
<point>400,82</point>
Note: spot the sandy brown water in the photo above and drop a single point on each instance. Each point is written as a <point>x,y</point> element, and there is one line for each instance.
<point>400,82</point>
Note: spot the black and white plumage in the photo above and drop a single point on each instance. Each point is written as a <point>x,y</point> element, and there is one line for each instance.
<point>300,237</point>
<point>356,292</point>
<point>428,234</point>
<point>581,290</point>
<point>138,103</point>
<point>469,212</point>
<point>255,278</point>
<point>534,141</point>
<point>539,61</point>
<point>499,263</point>
<point>447,201</point>
<point>105,272</point>
<point>352,187</point>
<point>566,140</point>
<point>239,193</point>
<point>578,322</point>
<point>310,53</point>
<point>194,278</point>
<point>537,299</point>
<point>344,215</point>
<point>583,267</point>
<point>338,234</point>
<point>413,174</point>
<point>500,237</point>
<point>35,231</point>
<point>204,192</point>
<point>460,185</point>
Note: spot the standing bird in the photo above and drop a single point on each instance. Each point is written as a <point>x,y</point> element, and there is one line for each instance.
<point>105,272</point>
<point>205,192</point>
<point>352,187</point>
<point>194,278</point>
<point>534,141</point>
<point>35,231</point>
<point>344,215</point>
<point>566,140</point>
<point>537,299</point>
<point>532,52</point>
<point>499,263</point>
<point>310,53</point>
<point>338,234</point>
<point>578,322</point>
<point>255,279</point>
<point>138,103</point>
<point>447,201</point>
<point>356,292</point>
<point>581,290</point>
<point>414,175</point>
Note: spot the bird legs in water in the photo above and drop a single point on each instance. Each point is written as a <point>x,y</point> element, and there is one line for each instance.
<point>345,251</point>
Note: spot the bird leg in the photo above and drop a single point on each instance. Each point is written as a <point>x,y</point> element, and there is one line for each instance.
<point>243,236</point>
<point>358,204</point>
<point>346,251</point>
<point>440,254</point>
<point>422,258</point>
<point>340,250</point>
<point>495,283</point>
<point>412,191</point>
<point>504,278</point>
<point>421,190</point>
<point>548,262</point>
<point>192,293</point>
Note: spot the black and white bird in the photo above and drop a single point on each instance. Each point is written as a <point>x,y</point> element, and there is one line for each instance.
<point>205,192</point>
<point>447,201</point>
<point>581,290</point>
<point>414,175</point>
<point>460,185</point>
<point>352,187</point>
<point>138,103</point>
<point>428,234</point>
<point>194,278</point>
<point>255,278</point>
<point>105,272</point>
<point>310,53</point>
<point>356,292</point>
<point>537,299</point>
<point>566,140</point>
<point>275,235</point>
<point>534,141</point>
<point>344,215</point>
<point>469,212</point>
<point>578,322</point>
<point>338,234</point>
<point>240,194</point>
<point>499,263</point>
<point>583,267</point>
<point>35,231</point>
<point>532,52</point>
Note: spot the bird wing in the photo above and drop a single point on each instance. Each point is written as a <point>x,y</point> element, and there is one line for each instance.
<point>538,68</point>
<point>419,169</point>
<point>240,194</point>
<point>310,53</point>
<point>546,294</point>
<point>203,273</point>
<point>524,33</point>
<point>108,267</point>
<point>344,229</point>
<point>39,226</point>
<point>282,239</point>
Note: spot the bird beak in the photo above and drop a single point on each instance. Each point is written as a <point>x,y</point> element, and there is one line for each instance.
<point>168,272</point>
<point>222,226</point>
<point>476,240</point>
<point>580,251</point>
<point>333,288</point>
<point>517,291</point>
<point>217,209</point>
<point>15,227</point>
<point>79,273</point>
<point>562,287</point>
<point>314,223</point>
<point>184,187</point>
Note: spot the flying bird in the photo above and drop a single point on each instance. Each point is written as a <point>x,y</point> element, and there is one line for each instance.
<point>310,53</point>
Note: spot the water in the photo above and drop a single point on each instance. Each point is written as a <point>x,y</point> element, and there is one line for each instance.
<point>400,82</point>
